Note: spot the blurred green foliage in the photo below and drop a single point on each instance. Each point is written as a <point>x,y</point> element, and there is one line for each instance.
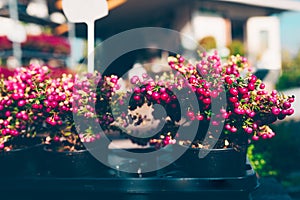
<point>290,76</point>
<point>280,155</point>
<point>236,47</point>
<point>260,161</point>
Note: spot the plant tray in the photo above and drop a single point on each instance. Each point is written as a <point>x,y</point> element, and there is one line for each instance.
<point>175,187</point>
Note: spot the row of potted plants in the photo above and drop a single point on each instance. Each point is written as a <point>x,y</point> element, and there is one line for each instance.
<point>225,102</point>
<point>43,43</point>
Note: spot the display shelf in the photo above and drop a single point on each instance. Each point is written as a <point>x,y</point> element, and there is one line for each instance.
<point>24,17</point>
<point>34,54</point>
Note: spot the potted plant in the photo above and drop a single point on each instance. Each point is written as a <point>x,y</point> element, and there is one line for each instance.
<point>65,98</point>
<point>18,122</point>
<point>227,104</point>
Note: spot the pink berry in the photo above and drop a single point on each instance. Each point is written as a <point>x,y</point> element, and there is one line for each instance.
<point>264,136</point>
<point>249,130</point>
<point>21,103</point>
<point>56,138</point>
<point>181,59</point>
<point>251,86</point>
<point>134,80</point>
<point>207,101</point>
<point>15,96</point>
<point>227,126</point>
<point>192,118</point>
<point>291,100</point>
<point>275,111</point>
<point>54,104</point>
<point>35,106</point>
<point>254,126</point>
<point>137,90</point>
<point>228,80</point>
<point>236,104</point>
<point>5,123</point>
<point>164,96</point>
<point>233,129</point>
<point>233,99</point>
<point>199,117</point>
<point>56,117</point>
<point>287,105</point>
<point>137,98</point>
<point>7,113</point>
<point>274,93</point>
<point>262,86</point>
<point>291,111</point>
<point>253,78</point>
<point>162,90</point>
<point>50,98</point>
<point>214,94</point>
<point>251,114</point>
<point>225,115</point>
<point>243,90</point>
<point>285,112</point>
<point>190,114</point>
<point>155,95</point>
<point>233,91</point>
<point>228,70</point>
<point>255,137</point>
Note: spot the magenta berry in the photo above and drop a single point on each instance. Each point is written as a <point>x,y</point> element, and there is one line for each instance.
<point>253,79</point>
<point>243,90</point>
<point>164,96</point>
<point>228,80</point>
<point>248,130</point>
<point>251,86</point>
<point>207,101</point>
<point>21,103</point>
<point>155,95</point>
<point>262,86</point>
<point>233,99</point>
<point>190,114</point>
<point>275,111</point>
<point>255,137</point>
<point>233,91</point>
<point>291,100</point>
<point>290,111</point>
<point>199,117</point>
<point>287,105</point>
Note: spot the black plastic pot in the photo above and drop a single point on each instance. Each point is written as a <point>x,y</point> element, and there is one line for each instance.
<point>20,162</point>
<point>125,162</point>
<point>72,164</point>
<point>216,163</point>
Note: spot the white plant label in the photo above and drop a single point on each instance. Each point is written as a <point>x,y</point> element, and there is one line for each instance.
<point>79,11</point>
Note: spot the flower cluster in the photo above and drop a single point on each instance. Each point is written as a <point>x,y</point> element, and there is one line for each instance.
<point>17,97</point>
<point>246,108</point>
<point>91,96</point>
<point>226,96</point>
<point>44,43</point>
<point>32,102</point>
<point>47,43</point>
<point>71,109</point>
